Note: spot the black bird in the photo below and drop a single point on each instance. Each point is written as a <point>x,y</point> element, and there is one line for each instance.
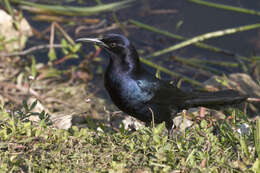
<point>140,94</point>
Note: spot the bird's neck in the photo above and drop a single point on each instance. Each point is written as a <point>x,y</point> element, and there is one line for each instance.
<point>127,63</point>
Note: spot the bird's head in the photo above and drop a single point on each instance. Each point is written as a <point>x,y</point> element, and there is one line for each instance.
<point>122,53</point>
<point>115,44</point>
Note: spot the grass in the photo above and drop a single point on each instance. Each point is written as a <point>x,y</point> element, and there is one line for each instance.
<point>209,146</point>
<point>70,10</point>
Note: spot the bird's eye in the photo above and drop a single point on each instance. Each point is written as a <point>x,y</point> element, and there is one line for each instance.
<point>112,44</point>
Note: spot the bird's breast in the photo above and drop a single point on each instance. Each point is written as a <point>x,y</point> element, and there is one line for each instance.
<point>125,92</point>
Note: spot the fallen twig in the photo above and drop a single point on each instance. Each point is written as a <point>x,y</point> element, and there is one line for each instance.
<point>80,28</point>
<point>30,50</point>
<point>253,99</point>
<point>20,88</point>
<point>64,33</point>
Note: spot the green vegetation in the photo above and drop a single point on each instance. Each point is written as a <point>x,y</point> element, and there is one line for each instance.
<point>69,10</point>
<point>209,146</point>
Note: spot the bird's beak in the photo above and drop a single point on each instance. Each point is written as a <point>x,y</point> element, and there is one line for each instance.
<point>97,41</point>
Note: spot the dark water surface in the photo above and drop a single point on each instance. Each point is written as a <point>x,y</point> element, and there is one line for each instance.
<point>195,19</point>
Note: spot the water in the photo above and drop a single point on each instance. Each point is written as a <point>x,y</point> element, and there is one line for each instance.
<point>195,19</point>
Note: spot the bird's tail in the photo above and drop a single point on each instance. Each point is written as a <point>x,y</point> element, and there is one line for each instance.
<point>215,99</point>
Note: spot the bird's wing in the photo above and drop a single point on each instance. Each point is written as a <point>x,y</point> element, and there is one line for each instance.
<point>162,93</point>
<point>170,94</point>
<point>147,86</point>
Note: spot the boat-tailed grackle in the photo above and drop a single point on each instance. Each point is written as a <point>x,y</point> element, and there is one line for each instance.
<point>140,94</point>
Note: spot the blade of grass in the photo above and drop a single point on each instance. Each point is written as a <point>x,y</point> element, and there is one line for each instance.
<point>71,10</point>
<point>226,7</point>
<point>9,8</point>
<point>204,37</point>
<point>244,146</point>
<point>257,138</point>
<point>178,37</point>
<point>197,65</point>
<point>221,63</point>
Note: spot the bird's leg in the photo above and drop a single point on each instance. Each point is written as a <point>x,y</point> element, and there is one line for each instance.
<point>170,126</point>
<point>150,109</point>
<point>245,107</point>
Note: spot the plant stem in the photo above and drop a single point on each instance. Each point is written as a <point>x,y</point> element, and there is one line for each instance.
<point>167,71</point>
<point>205,37</point>
<point>226,7</point>
<point>178,37</point>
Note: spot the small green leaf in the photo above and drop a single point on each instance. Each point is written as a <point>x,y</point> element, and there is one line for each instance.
<point>76,48</point>
<point>157,139</point>
<point>52,72</point>
<point>122,128</point>
<point>159,128</point>
<point>42,115</point>
<point>244,146</point>
<point>157,74</point>
<point>33,105</point>
<point>65,45</point>
<point>52,54</point>
<point>179,24</point>
<point>204,124</point>
<point>70,56</point>
<point>25,106</point>
<point>256,166</point>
